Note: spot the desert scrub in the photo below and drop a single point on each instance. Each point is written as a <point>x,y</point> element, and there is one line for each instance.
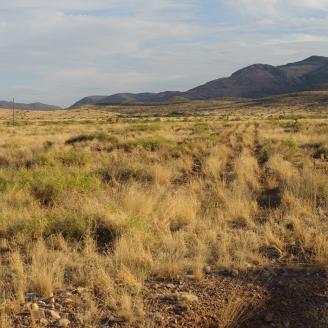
<point>151,127</point>
<point>73,157</point>
<point>125,172</point>
<point>289,149</point>
<point>49,186</point>
<point>99,136</point>
<point>266,150</point>
<point>4,184</point>
<point>321,151</point>
<point>151,144</point>
<point>201,128</point>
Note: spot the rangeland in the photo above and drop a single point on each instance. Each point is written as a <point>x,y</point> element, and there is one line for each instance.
<point>196,214</point>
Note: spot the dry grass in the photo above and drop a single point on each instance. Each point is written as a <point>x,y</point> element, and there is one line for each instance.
<point>135,197</point>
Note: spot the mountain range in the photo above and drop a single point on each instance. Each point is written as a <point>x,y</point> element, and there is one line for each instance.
<point>33,106</point>
<point>255,81</point>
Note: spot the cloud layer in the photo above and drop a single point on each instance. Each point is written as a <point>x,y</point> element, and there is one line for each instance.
<point>59,51</point>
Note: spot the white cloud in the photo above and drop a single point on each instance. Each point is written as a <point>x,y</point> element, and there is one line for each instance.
<point>59,51</point>
<point>278,7</point>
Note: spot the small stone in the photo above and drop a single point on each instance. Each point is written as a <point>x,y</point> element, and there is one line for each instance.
<point>54,315</point>
<point>30,297</point>
<point>34,307</point>
<point>170,286</point>
<point>234,273</point>
<point>187,298</point>
<point>63,323</point>
<point>190,277</point>
<point>207,269</point>
<point>268,317</point>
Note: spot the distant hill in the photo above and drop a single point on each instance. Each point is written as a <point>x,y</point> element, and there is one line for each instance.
<point>33,106</point>
<point>255,81</point>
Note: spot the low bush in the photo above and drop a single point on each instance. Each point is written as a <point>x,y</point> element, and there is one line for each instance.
<point>99,136</point>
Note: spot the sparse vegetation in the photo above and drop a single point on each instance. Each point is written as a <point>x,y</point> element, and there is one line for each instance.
<point>108,213</point>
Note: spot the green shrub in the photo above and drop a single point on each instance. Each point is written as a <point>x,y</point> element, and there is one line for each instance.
<point>3,184</point>
<point>200,128</point>
<point>48,186</point>
<point>73,226</point>
<point>73,157</point>
<point>289,149</point>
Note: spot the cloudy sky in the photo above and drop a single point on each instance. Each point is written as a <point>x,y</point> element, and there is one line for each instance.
<point>58,51</point>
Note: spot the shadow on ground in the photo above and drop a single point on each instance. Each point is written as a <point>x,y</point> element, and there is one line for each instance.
<point>295,297</point>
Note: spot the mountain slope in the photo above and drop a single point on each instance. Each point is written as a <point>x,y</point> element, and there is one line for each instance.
<point>33,106</point>
<point>255,81</point>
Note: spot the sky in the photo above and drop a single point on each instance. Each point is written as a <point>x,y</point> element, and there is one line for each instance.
<point>58,51</point>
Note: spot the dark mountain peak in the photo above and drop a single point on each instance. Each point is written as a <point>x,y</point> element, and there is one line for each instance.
<point>90,100</point>
<point>254,81</point>
<point>310,61</point>
<point>254,69</point>
<point>316,60</point>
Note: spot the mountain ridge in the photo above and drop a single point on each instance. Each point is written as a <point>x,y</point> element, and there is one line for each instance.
<point>254,81</point>
<point>32,106</point>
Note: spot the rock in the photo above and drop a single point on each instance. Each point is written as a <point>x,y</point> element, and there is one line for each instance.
<point>170,286</point>
<point>34,307</point>
<point>181,299</point>
<point>207,269</point>
<point>63,323</point>
<point>268,317</point>
<point>190,277</point>
<point>271,251</point>
<point>54,315</point>
<point>234,273</point>
<point>187,298</point>
<point>31,297</point>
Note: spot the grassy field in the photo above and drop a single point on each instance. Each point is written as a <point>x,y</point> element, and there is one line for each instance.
<point>104,200</point>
